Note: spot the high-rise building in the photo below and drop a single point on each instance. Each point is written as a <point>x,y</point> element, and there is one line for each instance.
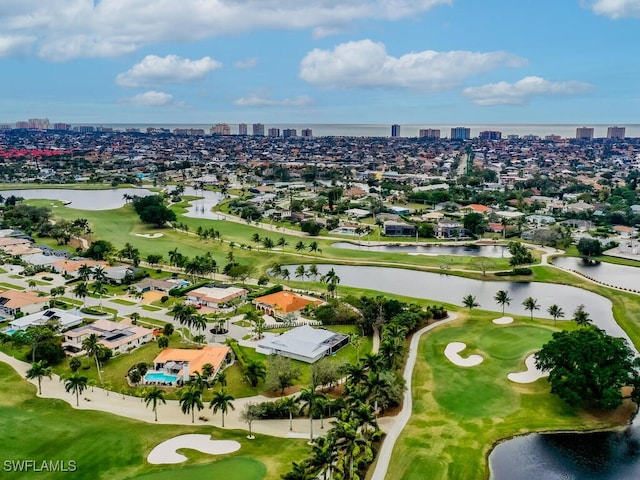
<point>490,135</point>
<point>395,130</point>
<point>306,132</point>
<point>273,132</point>
<point>258,129</point>
<point>4,126</point>
<point>584,133</point>
<point>242,129</point>
<point>220,129</point>
<point>460,133</point>
<point>429,133</point>
<point>39,123</point>
<point>61,126</point>
<point>289,132</point>
<point>616,132</point>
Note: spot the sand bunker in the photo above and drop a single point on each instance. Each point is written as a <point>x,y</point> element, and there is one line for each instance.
<point>502,320</point>
<point>530,375</point>
<point>452,352</point>
<point>166,451</point>
<point>150,235</point>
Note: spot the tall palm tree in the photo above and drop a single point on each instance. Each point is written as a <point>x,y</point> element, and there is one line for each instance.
<point>85,272</point>
<point>81,290</point>
<point>299,471</point>
<point>556,312</point>
<point>39,370</point>
<point>100,289</point>
<point>313,247</point>
<point>282,242</point>
<point>198,321</point>
<point>99,275</point>
<point>308,398</point>
<point>470,302</point>
<point>301,246</point>
<point>153,396</point>
<point>581,317</point>
<point>190,400</point>
<point>222,401</point>
<point>253,372</point>
<point>290,404</point>
<point>324,455</point>
<point>92,346</point>
<point>502,298</point>
<point>313,271</point>
<point>332,280</point>
<point>301,272</point>
<point>76,384</point>
<point>530,304</point>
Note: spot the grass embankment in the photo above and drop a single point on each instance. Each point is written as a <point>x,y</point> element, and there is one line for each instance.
<point>106,446</point>
<point>460,413</point>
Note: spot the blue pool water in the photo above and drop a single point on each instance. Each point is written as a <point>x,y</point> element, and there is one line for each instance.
<point>9,331</point>
<point>160,377</point>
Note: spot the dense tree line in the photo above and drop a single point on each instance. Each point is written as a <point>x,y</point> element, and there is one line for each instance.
<point>152,209</point>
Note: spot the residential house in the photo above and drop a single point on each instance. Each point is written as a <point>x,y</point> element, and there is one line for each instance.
<point>65,319</point>
<point>188,362</point>
<point>449,229</point>
<point>154,285</point>
<point>215,296</point>
<point>281,303</point>
<point>118,337</point>
<point>305,343</point>
<point>393,228</point>
<point>13,302</point>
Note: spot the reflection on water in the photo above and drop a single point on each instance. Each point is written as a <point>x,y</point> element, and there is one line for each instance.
<point>587,456</point>
<point>622,276</point>
<point>494,251</point>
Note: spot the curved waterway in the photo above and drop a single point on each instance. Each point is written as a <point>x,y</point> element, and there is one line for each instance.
<point>621,276</point>
<point>109,199</point>
<point>613,455</point>
<point>494,251</point>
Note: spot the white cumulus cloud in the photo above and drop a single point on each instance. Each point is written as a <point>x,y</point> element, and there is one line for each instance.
<point>365,63</point>
<point>150,99</point>
<point>154,70</point>
<point>262,99</point>
<point>246,63</point>
<point>616,8</point>
<point>15,44</point>
<point>520,92</point>
<point>67,29</point>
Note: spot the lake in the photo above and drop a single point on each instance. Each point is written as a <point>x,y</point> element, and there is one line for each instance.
<point>494,251</point>
<point>622,276</point>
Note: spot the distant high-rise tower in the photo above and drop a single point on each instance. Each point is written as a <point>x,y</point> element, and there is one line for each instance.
<point>220,129</point>
<point>460,133</point>
<point>258,129</point>
<point>289,132</point>
<point>273,132</point>
<point>490,135</point>
<point>395,130</point>
<point>584,133</point>
<point>242,129</point>
<point>616,132</point>
<point>429,133</point>
<point>306,132</point>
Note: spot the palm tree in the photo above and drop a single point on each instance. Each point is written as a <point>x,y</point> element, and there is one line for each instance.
<point>221,378</point>
<point>581,317</point>
<point>198,321</point>
<point>99,275</point>
<point>285,274</point>
<point>92,346</point>
<point>308,396</point>
<point>301,272</point>
<point>313,247</point>
<point>153,396</point>
<point>313,271</point>
<point>324,455</point>
<point>502,298</point>
<point>282,242</point>
<point>470,302</point>
<point>222,401</point>
<point>81,290</point>
<point>85,272</point>
<point>332,280</point>
<point>556,312</point>
<point>253,372</point>
<point>99,288</point>
<point>289,404</point>
<point>531,304</point>
<point>190,400</point>
<point>299,471</point>
<point>256,238</point>
<point>39,370</point>
<point>77,384</point>
<point>301,246</point>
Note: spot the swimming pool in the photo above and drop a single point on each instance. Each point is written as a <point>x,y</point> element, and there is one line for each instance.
<point>160,377</point>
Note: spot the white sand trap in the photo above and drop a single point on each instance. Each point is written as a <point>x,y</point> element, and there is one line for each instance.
<point>530,375</point>
<point>166,451</point>
<point>502,320</point>
<point>452,352</point>
<point>150,235</point>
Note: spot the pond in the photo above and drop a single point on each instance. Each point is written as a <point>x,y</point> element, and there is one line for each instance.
<point>81,199</point>
<point>113,198</point>
<point>494,251</point>
<point>622,276</point>
<point>451,289</point>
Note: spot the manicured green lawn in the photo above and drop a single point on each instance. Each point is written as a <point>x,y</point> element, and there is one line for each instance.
<point>11,286</point>
<point>150,308</point>
<point>459,413</point>
<point>120,301</point>
<point>109,447</point>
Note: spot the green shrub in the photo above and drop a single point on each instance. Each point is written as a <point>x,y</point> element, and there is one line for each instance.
<point>164,298</point>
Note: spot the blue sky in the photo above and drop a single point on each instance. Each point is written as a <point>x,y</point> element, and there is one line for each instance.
<point>320,61</point>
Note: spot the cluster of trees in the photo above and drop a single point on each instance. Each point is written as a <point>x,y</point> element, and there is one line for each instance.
<point>153,209</point>
<point>188,315</point>
<point>520,255</point>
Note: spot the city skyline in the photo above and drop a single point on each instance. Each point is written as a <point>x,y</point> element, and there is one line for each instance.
<point>276,61</point>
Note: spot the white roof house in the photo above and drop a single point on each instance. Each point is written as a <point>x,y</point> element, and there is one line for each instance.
<point>66,318</point>
<point>304,343</point>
